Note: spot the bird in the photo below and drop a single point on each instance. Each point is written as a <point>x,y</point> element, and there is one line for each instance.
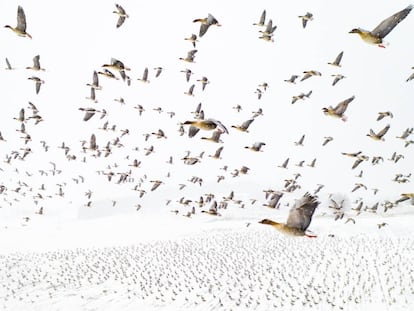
<point>337,77</point>
<point>256,146</point>
<point>192,39</point>
<point>9,67</point>
<point>190,57</point>
<point>217,154</point>
<point>300,141</point>
<point>158,71</point>
<point>89,113</point>
<point>377,35</point>
<point>292,79</point>
<point>155,184</point>
<point>36,64</point>
<point>38,82</point>
<point>208,124</point>
<point>122,15</point>
<point>380,134</point>
<point>284,164</point>
<point>95,82</point>
<point>339,110</point>
<point>337,61</point>
<point>204,81</point>
<point>411,76</point>
<point>119,66</point>
<point>305,18</point>
<point>382,115</point>
<point>359,160</point>
<point>310,73</point>
<point>215,137</point>
<point>206,23</point>
<point>244,126</point>
<point>299,219</point>
<point>261,20</point>
<point>20,29</point>
<point>144,76</point>
<point>190,90</point>
<point>327,139</point>
<point>107,73</point>
<point>188,74</point>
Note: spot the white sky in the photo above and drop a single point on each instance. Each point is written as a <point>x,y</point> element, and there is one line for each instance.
<point>74,40</point>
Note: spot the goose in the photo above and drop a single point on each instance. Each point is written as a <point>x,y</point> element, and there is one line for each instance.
<point>377,35</point>
<point>20,29</point>
<point>299,219</point>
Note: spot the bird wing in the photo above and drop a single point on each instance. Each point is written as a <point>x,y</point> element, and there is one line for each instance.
<point>88,115</point>
<point>247,123</point>
<point>343,105</point>
<point>36,62</point>
<point>300,215</point>
<point>383,131</point>
<point>120,21</point>
<point>192,131</point>
<point>356,163</point>
<point>203,29</point>
<point>21,19</point>
<point>262,18</point>
<point>338,58</point>
<point>38,84</point>
<point>8,64</point>
<point>92,143</point>
<point>120,9</point>
<point>145,75</point>
<point>388,24</point>
<point>221,125</point>
<point>218,152</point>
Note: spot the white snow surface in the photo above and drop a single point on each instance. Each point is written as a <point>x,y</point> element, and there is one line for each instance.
<point>156,260</point>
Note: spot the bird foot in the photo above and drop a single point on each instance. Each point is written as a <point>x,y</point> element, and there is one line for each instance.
<point>311,236</point>
<point>344,118</point>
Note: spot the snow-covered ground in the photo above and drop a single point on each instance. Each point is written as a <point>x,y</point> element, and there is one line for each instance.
<point>155,260</point>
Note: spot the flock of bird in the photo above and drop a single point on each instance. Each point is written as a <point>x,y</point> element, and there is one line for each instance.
<point>217,271</point>
<point>93,151</point>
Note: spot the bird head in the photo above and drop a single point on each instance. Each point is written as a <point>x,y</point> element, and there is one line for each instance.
<point>267,222</point>
<point>355,30</point>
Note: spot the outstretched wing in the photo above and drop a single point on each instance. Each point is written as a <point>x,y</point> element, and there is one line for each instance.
<point>300,215</point>
<point>385,27</point>
<point>343,105</point>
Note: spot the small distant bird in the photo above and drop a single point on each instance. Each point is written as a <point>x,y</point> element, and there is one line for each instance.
<point>383,224</point>
<point>192,39</point>
<point>155,184</point>
<point>377,35</point>
<point>188,74</point>
<point>408,79</point>
<point>380,134</point>
<point>158,71</point>
<point>9,67</point>
<point>267,34</point>
<point>292,79</point>
<point>299,219</point>
<point>244,126</point>
<point>206,23</point>
<point>217,154</point>
<point>95,82</point>
<point>204,81</point>
<point>190,90</point>
<point>327,139</point>
<point>359,160</point>
<point>122,15</point>
<point>284,164</point>
<point>215,137</point>
<point>262,19</point>
<point>20,29</point>
<point>382,115</point>
<point>190,56</point>
<point>36,64</point>
<point>337,77</point>
<point>118,66</point>
<point>208,124</point>
<point>300,141</point>
<point>38,82</point>
<point>310,73</point>
<point>144,76</point>
<point>305,18</point>
<point>339,110</point>
<point>337,61</point>
<point>256,146</point>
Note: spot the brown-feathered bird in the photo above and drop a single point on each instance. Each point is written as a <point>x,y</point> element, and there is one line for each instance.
<point>339,110</point>
<point>20,29</point>
<point>377,35</point>
<point>299,219</point>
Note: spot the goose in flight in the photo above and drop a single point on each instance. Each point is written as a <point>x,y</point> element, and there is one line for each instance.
<point>206,23</point>
<point>36,64</point>
<point>377,35</point>
<point>380,134</point>
<point>299,219</point>
<point>261,20</point>
<point>306,18</point>
<point>20,29</point>
<point>339,110</point>
<point>122,15</point>
<point>337,61</point>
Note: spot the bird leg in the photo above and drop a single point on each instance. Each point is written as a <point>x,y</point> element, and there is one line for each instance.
<point>344,118</point>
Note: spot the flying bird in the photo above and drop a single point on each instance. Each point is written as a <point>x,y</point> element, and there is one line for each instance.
<point>36,64</point>
<point>337,61</point>
<point>339,110</point>
<point>377,35</point>
<point>380,134</point>
<point>206,23</point>
<point>122,15</point>
<point>20,29</point>
<point>262,19</point>
<point>299,219</point>
<point>306,18</point>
